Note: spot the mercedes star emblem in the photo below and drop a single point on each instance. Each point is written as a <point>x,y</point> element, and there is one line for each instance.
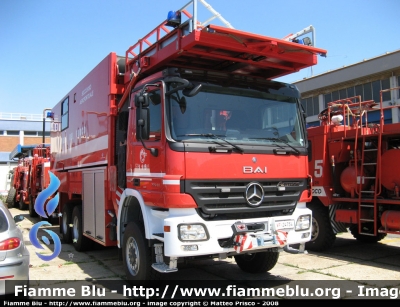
<point>254,194</point>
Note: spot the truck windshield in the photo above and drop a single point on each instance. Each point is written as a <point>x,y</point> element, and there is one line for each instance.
<point>237,115</point>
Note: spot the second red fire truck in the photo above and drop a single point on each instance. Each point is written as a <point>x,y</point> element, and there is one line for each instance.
<point>356,179</point>
<point>30,176</point>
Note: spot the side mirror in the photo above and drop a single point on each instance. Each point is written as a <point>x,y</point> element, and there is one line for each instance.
<point>18,218</point>
<point>155,98</point>
<point>143,123</point>
<point>142,103</point>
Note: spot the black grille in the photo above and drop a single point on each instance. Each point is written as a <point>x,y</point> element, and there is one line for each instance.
<point>227,199</point>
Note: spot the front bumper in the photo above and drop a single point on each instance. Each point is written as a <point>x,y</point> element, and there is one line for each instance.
<point>219,232</point>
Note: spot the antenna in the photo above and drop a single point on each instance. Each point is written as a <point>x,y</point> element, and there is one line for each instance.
<point>194,16</point>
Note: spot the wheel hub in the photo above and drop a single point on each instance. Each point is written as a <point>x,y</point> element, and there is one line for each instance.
<point>133,256</point>
<point>75,229</point>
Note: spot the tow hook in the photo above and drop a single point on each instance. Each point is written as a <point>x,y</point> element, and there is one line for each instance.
<point>230,243</point>
<point>300,250</point>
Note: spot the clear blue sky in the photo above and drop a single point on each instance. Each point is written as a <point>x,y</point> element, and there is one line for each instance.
<point>48,46</point>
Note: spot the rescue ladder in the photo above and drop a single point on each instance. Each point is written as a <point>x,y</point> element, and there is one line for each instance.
<point>194,45</point>
<point>367,142</point>
<point>371,143</point>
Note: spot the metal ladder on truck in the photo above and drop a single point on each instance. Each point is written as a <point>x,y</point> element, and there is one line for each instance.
<point>367,143</point>
<point>216,49</point>
<point>370,145</point>
<point>373,144</point>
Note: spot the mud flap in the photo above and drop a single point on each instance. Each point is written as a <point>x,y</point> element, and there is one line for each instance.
<point>112,229</point>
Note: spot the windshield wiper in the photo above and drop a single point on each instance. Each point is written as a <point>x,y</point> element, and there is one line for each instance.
<point>214,136</point>
<point>280,140</point>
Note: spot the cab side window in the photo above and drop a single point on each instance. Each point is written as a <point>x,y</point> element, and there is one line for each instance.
<point>155,115</point>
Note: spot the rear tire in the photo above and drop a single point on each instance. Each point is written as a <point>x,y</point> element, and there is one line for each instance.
<point>79,241</point>
<point>136,255</point>
<point>322,235</point>
<point>257,262</point>
<point>66,221</point>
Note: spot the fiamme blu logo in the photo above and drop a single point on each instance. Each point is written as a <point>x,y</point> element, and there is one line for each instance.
<point>43,201</point>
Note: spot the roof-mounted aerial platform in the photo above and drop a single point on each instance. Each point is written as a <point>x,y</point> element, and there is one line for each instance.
<point>194,45</point>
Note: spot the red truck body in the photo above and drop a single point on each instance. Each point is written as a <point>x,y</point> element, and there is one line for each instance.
<point>20,184</point>
<point>355,173</point>
<point>186,149</point>
<point>39,174</point>
<point>18,193</point>
<point>30,177</point>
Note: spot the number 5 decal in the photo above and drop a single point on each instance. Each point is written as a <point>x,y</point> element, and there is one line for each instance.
<point>318,168</point>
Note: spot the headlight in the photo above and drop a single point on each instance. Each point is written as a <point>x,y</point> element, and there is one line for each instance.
<point>192,232</point>
<point>303,222</point>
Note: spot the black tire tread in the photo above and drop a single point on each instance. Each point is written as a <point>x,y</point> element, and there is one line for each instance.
<point>258,262</point>
<point>146,272</point>
<point>326,237</point>
<point>10,200</point>
<point>22,205</point>
<point>365,238</point>
<point>82,243</point>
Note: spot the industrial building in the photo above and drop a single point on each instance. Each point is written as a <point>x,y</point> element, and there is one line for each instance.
<point>365,79</point>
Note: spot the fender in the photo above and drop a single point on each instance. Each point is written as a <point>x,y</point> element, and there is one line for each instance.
<point>145,211</point>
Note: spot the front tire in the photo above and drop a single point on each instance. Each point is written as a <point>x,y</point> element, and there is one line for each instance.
<point>257,262</point>
<point>10,200</point>
<point>136,254</point>
<point>22,205</point>
<point>322,235</point>
<point>79,241</point>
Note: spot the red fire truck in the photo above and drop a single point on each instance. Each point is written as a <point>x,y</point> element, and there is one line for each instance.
<point>12,192</point>
<point>18,193</point>
<point>39,166</point>
<point>30,177</point>
<point>185,148</point>
<point>355,174</point>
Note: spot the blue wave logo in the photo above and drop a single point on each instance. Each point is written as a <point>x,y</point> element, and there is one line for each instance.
<point>51,206</point>
<point>45,194</point>
<point>35,242</point>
